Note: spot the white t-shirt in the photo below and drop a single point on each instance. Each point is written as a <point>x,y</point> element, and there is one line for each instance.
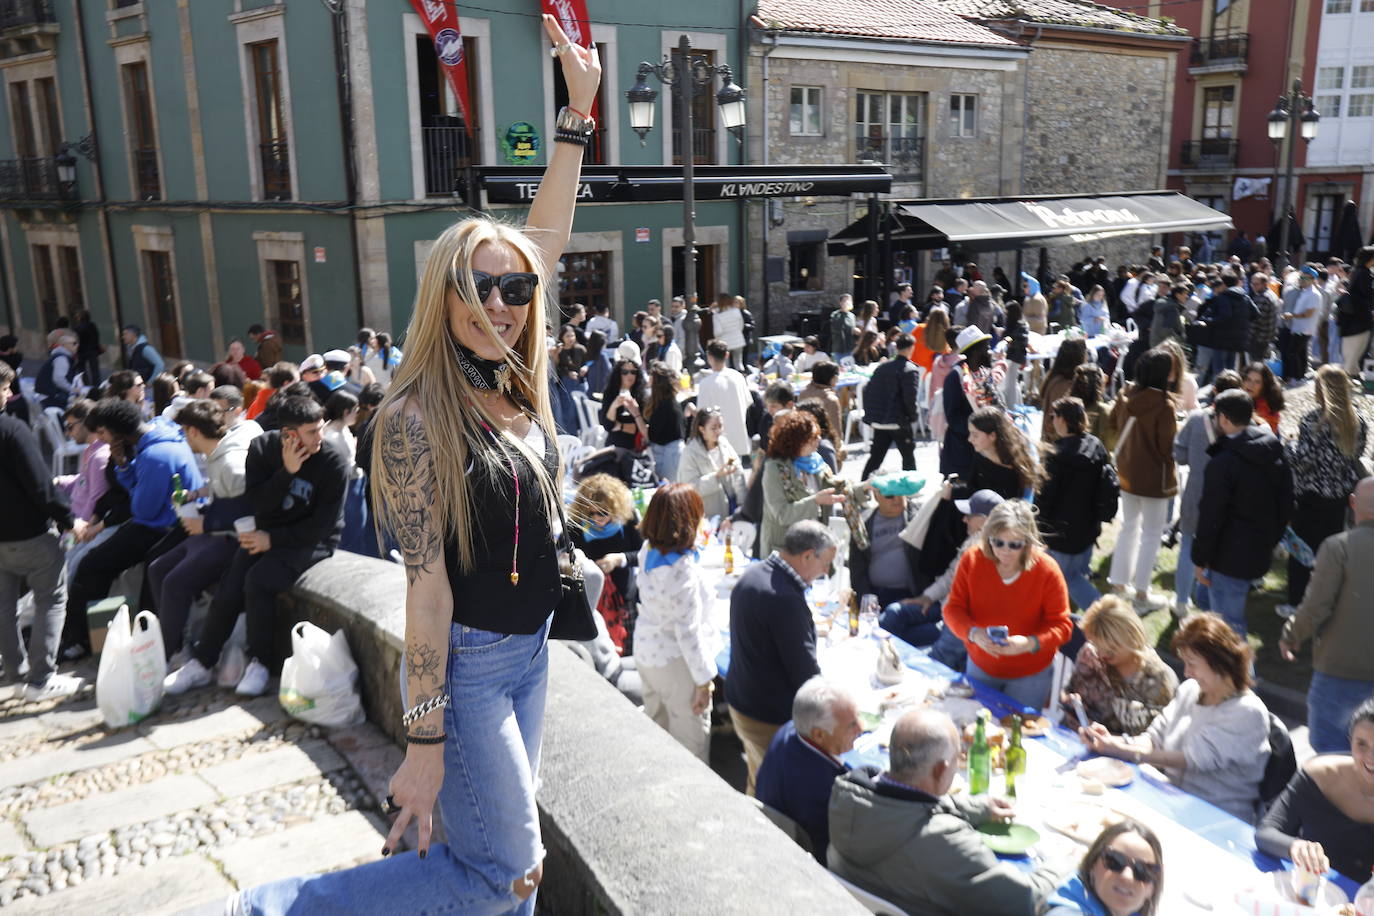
<point>726,389</point>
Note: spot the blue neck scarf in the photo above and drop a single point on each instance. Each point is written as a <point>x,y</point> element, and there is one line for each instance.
<point>596,532</point>
<point>809,464</point>
<point>654,559</point>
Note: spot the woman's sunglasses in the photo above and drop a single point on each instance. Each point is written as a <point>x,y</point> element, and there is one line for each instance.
<point>629,372</point>
<point>1116,863</point>
<point>516,288</point>
<point>1000,544</point>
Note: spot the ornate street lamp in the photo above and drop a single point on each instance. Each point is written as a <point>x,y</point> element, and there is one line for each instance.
<point>1294,116</point>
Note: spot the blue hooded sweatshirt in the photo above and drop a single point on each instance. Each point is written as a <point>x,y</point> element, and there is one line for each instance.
<point>1032,284</point>
<point>161,452</point>
<point>1073,899</point>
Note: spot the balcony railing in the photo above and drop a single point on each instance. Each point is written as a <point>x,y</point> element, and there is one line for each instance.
<point>904,155</point>
<point>32,179</point>
<point>15,13</point>
<point>448,151</point>
<point>147,179</point>
<point>703,145</point>
<point>1209,154</point>
<point>276,170</point>
<point>1220,50</point>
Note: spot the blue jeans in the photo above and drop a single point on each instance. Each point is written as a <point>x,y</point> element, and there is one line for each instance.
<point>1331,701</point>
<point>1032,691</point>
<point>491,761</point>
<point>1228,599</point>
<point>666,459</point>
<point>1185,582</point>
<point>1076,567</point>
<point>910,622</point>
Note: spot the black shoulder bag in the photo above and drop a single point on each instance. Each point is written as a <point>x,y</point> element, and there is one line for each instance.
<point>572,616</point>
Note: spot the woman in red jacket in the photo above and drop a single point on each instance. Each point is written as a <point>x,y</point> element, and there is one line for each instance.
<point>1007,579</point>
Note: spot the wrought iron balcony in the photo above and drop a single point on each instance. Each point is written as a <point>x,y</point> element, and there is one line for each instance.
<point>703,146</point>
<point>17,13</point>
<point>276,170</point>
<point>904,155</point>
<point>33,179</point>
<point>448,150</point>
<point>1215,153</point>
<point>1220,52</point>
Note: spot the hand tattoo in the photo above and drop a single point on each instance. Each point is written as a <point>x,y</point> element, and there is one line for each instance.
<point>409,485</point>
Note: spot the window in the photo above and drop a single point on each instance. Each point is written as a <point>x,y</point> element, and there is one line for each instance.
<point>1218,112</point>
<point>963,115</point>
<point>804,265</point>
<point>1334,7</point>
<point>21,110</point>
<point>805,111</point>
<point>585,277</point>
<point>891,128</point>
<point>138,108</point>
<point>448,146</point>
<point>1330,77</point>
<point>1325,210</point>
<point>703,119</point>
<point>287,302</point>
<point>45,283</point>
<point>1329,106</point>
<point>1362,77</point>
<point>69,261</point>
<point>274,153</point>
<point>706,271</point>
<point>157,266</point>
<point>1361,105</point>
<point>1367,6</point>
<point>50,126</point>
<point>1215,201</point>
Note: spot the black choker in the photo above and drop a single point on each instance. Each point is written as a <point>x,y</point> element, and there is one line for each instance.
<point>483,374</point>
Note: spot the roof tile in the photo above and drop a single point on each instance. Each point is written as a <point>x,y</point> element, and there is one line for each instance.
<point>1060,12</point>
<point>918,20</point>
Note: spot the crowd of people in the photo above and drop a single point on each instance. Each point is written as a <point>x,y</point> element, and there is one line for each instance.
<point>1162,393</point>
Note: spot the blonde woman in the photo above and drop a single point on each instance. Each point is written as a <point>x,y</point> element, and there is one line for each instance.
<point>1009,581</point>
<point>1325,461</point>
<point>1121,680</point>
<point>466,480</point>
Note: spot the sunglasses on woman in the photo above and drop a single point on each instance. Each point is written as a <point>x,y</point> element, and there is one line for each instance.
<point>516,288</point>
<point>1000,544</point>
<point>1116,863</point>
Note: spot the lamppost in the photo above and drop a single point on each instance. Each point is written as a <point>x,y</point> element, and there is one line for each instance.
<point>1294,115</point>
<point>686,75</point>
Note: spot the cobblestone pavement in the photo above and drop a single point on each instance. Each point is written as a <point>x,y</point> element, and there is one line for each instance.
<point>209,795</point>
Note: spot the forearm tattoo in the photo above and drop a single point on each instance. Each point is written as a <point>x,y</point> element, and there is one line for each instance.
<point>409,483</point>
<point>423,662</point>
<point>425,670</point>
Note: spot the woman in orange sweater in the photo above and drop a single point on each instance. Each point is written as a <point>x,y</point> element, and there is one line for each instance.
<point>1007,579</point>
<point>930,339</point>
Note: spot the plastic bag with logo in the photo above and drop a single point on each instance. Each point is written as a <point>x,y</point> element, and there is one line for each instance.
<point>319,682</point>
<point>133,663</point>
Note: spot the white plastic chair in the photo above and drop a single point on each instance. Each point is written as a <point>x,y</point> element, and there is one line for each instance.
<point>742,536</point>
<point>1061,669</point>
<point>872,902</point>
<point>856,417</point>
<point>66,454</point>
<point>592,432</point>
<point>786,824</point>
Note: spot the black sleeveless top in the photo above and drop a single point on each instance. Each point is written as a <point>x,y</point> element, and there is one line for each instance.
<point>485,598</point>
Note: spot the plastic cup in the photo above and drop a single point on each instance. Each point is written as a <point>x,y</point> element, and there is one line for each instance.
<point>246,524</point>
<point>1307,886</point>
<point>188,510</point>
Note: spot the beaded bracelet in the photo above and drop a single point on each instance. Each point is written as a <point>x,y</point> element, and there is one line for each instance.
<point>424,709</point>
<point>432,739</point>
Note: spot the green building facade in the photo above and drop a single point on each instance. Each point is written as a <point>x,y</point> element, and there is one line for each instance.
<point>197,167</point>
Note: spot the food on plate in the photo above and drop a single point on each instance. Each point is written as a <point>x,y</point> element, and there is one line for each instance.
<point>1107,771</point>
<point>1031,725</point>
<point>1082,821</point>
<point>898,697</point>
<point>959,689</point>
<point>1093,787</point>
<point>995,734</point>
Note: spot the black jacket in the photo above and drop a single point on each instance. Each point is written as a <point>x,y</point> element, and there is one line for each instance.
<point>1229,314</point>
<point>890,395</point>
<point>304,509</point>
<point>1355,309</point>
<point>26,489</point>
<point>1067,503</point>
<point>772,642</point>
<point>1247,502</point>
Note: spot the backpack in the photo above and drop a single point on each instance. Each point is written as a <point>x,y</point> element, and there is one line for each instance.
<point>1108,492</point>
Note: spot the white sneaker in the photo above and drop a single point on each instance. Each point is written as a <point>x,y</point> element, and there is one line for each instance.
<point>1181,609</point>
<point>187,677</point>
<point>1151,602</point>
<point>179,658</point>
<point>58,686</point>
<point>1286,611</point>
<point>254,680</point>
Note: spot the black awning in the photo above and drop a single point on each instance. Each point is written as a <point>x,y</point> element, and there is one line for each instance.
<point>626,184</point>
<point>1006,224</point>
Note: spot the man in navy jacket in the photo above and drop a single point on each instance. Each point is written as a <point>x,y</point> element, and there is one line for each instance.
<point>890,407</point>
<point>772,637</point>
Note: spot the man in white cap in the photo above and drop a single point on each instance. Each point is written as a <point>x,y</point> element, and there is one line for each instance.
<point>336,373</point>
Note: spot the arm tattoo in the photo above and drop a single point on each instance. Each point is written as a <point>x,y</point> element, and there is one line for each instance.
<point>422,662</point>
<point>409,482</point>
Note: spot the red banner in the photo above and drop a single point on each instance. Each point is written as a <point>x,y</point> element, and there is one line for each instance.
<point>441,18</point>
<point>572,16</point>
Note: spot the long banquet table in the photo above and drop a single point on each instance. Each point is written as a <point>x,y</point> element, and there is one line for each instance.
<point>1209,853</point>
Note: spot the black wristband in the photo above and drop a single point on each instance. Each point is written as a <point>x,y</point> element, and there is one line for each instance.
<point>568,136</point>
<point>432,739</point>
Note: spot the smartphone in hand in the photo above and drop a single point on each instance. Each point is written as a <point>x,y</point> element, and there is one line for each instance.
<point>1080,711</point>
<point>999,635</point>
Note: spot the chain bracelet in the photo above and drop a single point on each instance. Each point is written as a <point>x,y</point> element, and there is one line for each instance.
<point>424,709</point>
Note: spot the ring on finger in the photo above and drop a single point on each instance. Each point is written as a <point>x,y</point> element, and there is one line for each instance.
<point>390,806</point>
<point>559,48</point>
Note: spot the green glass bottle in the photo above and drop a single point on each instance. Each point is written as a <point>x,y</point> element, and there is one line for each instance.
<point>980,758</point>
<point>1016,757</point>
<point>178,491</point>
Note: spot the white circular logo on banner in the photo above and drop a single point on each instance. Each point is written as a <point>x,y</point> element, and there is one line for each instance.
<point>448,45</point>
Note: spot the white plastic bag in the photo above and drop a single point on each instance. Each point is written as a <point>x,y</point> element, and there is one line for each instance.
<point>133,663</point>
<point>233,660</point>
<point>319,681</point>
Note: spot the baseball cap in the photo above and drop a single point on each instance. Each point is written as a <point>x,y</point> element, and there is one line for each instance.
<point>313,361</point>
<point>982,502</point>
<point>336,356</point>
<point>628,349</point>
<point>970,336</point>
<point>1309,271</point>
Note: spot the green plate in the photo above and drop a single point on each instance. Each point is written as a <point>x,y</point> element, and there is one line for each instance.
<point>1009,839</point>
